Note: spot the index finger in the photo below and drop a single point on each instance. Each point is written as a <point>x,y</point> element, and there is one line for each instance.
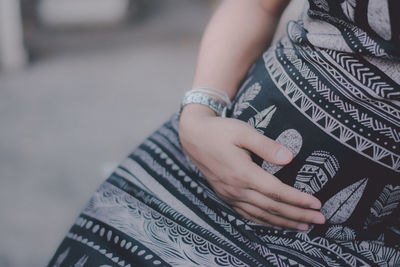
<point>270,186</point>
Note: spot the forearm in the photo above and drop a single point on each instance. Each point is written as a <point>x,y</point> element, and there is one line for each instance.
<point>237,34</point>
<point>221,147</point>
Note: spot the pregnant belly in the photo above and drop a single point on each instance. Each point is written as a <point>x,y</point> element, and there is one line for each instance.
<point>296,96</point>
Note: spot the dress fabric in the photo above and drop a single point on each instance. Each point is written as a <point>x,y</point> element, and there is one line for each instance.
<point>330,92</point>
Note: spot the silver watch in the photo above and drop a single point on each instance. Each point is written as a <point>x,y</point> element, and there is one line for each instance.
<point>201,98</point>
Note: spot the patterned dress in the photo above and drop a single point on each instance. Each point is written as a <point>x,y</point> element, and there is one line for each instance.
<point>330,92</point>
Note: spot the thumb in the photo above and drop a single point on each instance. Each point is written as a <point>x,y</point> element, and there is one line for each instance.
<point>264,147</point>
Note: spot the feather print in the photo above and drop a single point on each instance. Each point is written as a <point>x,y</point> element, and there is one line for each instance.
<point>387,201</point>
<point>290,138</point>
<point>245,98</point>
<point>342,233</point>
<point>61,258</point>
<point>263,118</point>
<point>82,261</point>
<point>320,167</point>
<point>390,256</point>
<point>340,207</point>
<point>381,255</point>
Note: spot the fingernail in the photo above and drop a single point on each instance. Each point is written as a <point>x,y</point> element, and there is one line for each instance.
<point>319,220</point>
<point>302,227</point>
<point>283,155</point>
<point>315,206</point>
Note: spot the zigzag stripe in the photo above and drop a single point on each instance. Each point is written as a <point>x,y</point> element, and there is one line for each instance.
<point>391,114</point>
<point>363,74</point>
<point>328,123</point>
<point>362,118</point>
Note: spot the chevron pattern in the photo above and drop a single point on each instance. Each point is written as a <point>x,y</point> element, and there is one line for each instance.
<point>384,256</point>
<point>393,133</point>
<point>384,205</point>
<point>389,112</point>
<point>367,42</point>
<point>363,74</point>
<point>327,122</point>
<point>310,246</point>
<point>319,168</point>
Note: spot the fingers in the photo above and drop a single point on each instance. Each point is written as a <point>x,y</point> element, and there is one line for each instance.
<point>272,187</point>
<point>280,209</point>
<point>265,147</point>
<point>247,216</point>
<point>217,150</point>
<point>260,216</point>
<point>266,183</point>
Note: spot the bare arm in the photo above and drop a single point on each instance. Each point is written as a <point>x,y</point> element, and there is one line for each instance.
<point>237,34</point>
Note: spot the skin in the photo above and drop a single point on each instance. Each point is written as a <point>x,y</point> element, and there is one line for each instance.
<point>238,33</point>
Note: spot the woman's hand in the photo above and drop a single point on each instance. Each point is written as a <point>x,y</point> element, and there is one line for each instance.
<point>220,147</point>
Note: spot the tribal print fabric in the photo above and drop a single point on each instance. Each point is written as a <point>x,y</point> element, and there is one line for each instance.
<point>330,92</point>
<point>157,210</point>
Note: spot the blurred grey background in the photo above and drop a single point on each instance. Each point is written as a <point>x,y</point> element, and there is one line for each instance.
<point>82,83</point>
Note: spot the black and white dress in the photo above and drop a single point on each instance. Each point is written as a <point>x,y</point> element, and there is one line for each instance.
<point>330,92</point>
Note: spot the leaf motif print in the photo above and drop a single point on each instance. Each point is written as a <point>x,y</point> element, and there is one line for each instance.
<point>342,233</point>
<point>387,201</point>
<point>290,138</point>
<point>263,118</point>
<point>320,167</point>
<point>82,261</point>
<point>303,236</point>
<point>62,257</point>
<point>245,98</point>
<point>389,256</point>
<point>340,207</point>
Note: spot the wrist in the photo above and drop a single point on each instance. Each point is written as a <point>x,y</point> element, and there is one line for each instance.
<point>208,97</point>
<point>197,110</point>
<point>191,121</point>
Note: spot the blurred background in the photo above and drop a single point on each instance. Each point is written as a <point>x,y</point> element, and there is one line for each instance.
<point>82,83</point>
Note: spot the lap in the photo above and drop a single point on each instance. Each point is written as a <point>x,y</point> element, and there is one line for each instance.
<point>156,209</point>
